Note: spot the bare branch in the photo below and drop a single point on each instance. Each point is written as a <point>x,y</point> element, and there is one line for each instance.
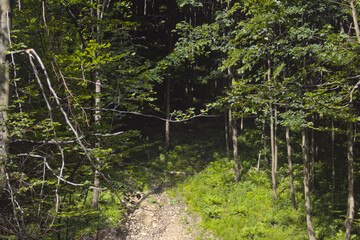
<point>48,167</point>
<point>153,116</point>
<point>341,4</point>
<point>13,201</point>
<point>353,90</point>
<point>68,122</point>
<point>107,134</point>
<point>47,141</point>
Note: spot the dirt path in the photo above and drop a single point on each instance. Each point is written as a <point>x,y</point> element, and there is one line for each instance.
<point>157,217</point>
<point>162,217</point>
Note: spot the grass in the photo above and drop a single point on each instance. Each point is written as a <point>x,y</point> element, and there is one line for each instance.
<point>247,210</point>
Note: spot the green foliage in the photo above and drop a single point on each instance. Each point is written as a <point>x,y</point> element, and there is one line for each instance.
<point>300,56</point>
<point>240,211</point>
<point>247,209</point>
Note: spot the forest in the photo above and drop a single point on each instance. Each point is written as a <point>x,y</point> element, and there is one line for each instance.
<point>247,109</point>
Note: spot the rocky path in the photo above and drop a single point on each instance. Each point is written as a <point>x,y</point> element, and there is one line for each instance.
<point>162,217</point>
<point>158,216</point>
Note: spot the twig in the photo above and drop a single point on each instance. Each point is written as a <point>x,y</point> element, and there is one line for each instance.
<point>68,122</point>
<point>46,141</point>
<point>48,167</point>
<point>153,116</point>
<point>13,202</point>
<point>52,120</point>
<point>13,61</point>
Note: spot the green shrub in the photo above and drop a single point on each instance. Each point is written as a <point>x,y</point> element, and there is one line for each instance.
<point>241,211</point>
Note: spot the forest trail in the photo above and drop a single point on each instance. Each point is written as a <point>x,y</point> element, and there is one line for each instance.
<point>157,217</point>
<point>161,217</point>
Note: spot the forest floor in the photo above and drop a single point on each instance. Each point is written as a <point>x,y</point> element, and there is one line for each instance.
<point>159,216</point>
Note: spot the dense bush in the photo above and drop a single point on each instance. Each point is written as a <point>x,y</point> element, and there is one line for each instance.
<point>247,210</point>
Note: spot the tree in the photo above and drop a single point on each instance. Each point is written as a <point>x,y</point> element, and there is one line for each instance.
<point>4,87</point>
<point>54,127</point>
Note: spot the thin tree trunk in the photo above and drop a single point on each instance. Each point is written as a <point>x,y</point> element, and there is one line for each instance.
<point>266,160</point>
<point>261,143</point>
<point>170,5</point>
<point>233,124</point>
<point>241,124</point>
<point>145,7</point>
<point>227,134</point>
<point>272,140</point>
<point>333,172</point>
<point>291,181</point>
<point>273,160</point>
<point>356,24</point>
<point>275,138</point>
<point>234,131</point>
<point>97,117</point>
<point>167,122</point>
<point>95,199</point>
<point>305,153</point>
<point>326,156</point>
<point>313,153</point>
<point>351,203</point>
<point>4,87</point>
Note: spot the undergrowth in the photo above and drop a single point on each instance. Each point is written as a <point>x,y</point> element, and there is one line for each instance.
<point>247,210</point>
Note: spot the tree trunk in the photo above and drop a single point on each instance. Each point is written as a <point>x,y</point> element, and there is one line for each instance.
<point>288,147</point>
<point>356,24</point>
<point>351,203</point>
<point>4,86</point>
<point>273,159</point>
<point>333,165</point>
<point>272,139</point>
<point>312,151</point>
<point>275,138</point>
<point>305,153</point>
<point>170,6</point>
<point>227,135</point>
<point>234,131</point>
<point>233,124</point>
<point>97,117</point>
<point>262,141</point>
<point>167,122</point>
<point>241,124</point>
<point>95,200</point>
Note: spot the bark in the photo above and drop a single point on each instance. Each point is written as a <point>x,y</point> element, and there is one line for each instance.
<point>356,24</point>
<point>291,181</point>
<point>275,138</point>
<point>312,150</point>
<point>167,122</point>
<point>97,117</point>
<point>273,159</point>
<point>333,172</point>
<point>145,6</point>
<point>4,86</point>
<point>305,153</point>
<point>272,139</point>
<point>234,131</point>
<point>170,6</point>
<point>351,203</point>
<point>227,135</point>
<point>241,124</point>
<point>262,141</point>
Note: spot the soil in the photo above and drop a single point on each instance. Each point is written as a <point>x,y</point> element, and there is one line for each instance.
<point>162,217</point>
<point>158,216</point>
